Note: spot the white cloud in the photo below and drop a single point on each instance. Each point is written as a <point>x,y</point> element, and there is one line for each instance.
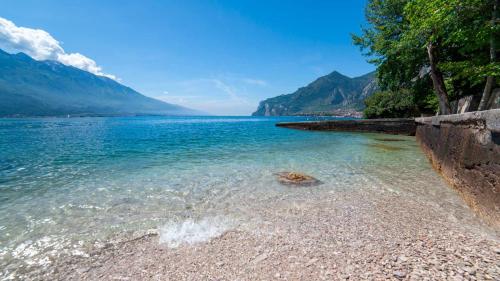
<point>185,100</point>
<point>257,82</point>
<point>40,45</point>
<point>236,96</point>
<point>230,91</point>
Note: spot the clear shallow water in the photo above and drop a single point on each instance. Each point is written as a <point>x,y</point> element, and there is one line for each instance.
<point>65,183</point>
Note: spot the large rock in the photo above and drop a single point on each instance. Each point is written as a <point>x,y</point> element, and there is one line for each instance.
<point>296,179</point>
<point>464,104</point>
<point>494,101</point>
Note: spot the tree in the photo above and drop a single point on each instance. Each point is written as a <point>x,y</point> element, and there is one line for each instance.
<point>394,48</point>
<point>453,41</point>
<point>490,80</point>
<point>380,42</point>
<point>430,24</point>
<point>389,104</point>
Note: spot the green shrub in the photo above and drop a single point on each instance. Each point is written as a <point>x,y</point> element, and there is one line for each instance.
<point>391,104</point>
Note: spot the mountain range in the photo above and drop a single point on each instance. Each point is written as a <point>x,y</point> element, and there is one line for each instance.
<point>48,88</point>
<point>332,94</point>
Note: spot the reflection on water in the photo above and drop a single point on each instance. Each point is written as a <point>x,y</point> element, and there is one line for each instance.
<point>66,183</point>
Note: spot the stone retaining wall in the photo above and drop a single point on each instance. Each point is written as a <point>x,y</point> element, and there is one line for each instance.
<point>400,126</point>
<point>465,149</point>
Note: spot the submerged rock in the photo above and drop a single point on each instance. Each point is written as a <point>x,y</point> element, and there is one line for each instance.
<point>298,179</point>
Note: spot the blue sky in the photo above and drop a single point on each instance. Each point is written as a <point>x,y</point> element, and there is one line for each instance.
<point>221,57</point>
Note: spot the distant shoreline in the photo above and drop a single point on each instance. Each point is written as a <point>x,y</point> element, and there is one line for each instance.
<point>161,115</point>
<point>96,115</point>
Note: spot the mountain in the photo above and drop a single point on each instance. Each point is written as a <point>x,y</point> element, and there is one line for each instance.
<point>48,88</point>
<point>331,94</point>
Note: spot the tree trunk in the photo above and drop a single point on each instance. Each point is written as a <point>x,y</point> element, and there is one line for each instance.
<point>488,88</point>
<point>438,80</point>
<point>490,80</point>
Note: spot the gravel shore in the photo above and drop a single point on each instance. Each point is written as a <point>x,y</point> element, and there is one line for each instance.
<point>357,235</point>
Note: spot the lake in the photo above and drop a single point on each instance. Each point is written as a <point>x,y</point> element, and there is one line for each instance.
<point>71,183</point>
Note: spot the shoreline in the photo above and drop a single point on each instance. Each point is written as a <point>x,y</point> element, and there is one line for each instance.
<point>358,234</point>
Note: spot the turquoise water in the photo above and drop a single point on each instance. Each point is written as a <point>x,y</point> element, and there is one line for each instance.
<point>68,183</point>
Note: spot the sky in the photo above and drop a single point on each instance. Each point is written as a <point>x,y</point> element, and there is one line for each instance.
<point>221,57</point>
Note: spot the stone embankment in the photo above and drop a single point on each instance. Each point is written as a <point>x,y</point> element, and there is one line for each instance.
<point>396,126</point>
<point>465,149</point>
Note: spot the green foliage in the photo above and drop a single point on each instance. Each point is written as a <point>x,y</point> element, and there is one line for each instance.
<point>400,30</point>
<point>471,72</point>
<point>380,42</point>
<point>430,103</point>
<point>389,104</point>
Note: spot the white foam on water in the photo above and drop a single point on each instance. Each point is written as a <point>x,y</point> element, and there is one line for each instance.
<point>190,231</point>
<point>41,252</point>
